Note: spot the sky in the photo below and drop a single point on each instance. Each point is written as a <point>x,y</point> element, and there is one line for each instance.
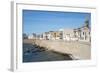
<point>35,21</point>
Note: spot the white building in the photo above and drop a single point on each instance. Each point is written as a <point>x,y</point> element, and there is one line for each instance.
<point>79,34</point>
<point>46,36</point>
<point>68,35</point>
<point>83,33</point>
<point>32,36</point>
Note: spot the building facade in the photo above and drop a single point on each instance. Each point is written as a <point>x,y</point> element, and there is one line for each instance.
<point>52,35</point>
<point>83,33</point>
<point>79,34</point>
<point>68,34</point>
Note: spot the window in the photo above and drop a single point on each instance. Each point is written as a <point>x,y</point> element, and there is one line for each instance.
<point>89,33</point>
<point>83,33</point>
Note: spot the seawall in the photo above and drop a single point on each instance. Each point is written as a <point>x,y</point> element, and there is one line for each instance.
<point>78,50</point>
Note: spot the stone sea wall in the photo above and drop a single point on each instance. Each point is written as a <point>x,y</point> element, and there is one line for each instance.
<point>79,50</point>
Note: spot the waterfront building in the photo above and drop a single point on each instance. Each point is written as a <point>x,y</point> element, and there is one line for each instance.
<point>45,36</point>
<point>68,34</point>
<point>55,35</point>
<point>79,34</point>
<point>52,35</point>
<point>83,33</point>
<point>32,36</point>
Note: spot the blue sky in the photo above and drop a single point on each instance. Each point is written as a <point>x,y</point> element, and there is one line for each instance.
<point>35,21</point>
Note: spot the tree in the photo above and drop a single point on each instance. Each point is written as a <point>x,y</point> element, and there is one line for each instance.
<point>87,23</point>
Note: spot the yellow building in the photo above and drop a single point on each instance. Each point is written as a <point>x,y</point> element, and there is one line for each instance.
<point>56,35</point>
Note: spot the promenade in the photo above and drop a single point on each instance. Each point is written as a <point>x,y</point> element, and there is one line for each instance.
<point>77,50</point>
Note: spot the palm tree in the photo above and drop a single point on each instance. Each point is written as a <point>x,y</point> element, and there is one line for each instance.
<point>87,23</point>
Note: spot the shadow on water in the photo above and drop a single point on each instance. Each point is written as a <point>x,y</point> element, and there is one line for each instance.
<point>35,53</point>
